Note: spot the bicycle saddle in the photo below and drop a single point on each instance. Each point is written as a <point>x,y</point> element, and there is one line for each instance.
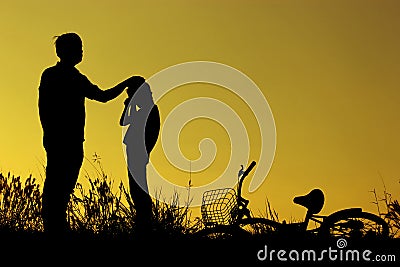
<point>313,201</point>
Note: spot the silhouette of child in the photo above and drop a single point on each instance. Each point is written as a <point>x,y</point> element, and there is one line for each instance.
<point>143,120</point>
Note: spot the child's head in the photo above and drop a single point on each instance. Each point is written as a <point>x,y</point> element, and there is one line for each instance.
<point>134,83</point>
<point>69,48</point>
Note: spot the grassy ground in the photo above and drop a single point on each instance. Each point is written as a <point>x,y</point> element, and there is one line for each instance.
<point>102,230</point>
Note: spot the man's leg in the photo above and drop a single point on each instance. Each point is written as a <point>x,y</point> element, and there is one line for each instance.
<point>62,171</point>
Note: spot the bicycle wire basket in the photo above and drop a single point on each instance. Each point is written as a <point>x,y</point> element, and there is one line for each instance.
<point>218,207</point>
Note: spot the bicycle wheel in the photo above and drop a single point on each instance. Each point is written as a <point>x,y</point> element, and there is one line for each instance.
<point>245,228</point>
<point>354,223</point>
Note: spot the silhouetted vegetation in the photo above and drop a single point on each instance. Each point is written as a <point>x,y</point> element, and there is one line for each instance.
<point>390,212</point>
<point>19,204</point>
<point>97,211</point>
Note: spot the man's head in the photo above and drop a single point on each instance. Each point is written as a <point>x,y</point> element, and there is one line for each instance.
<point>69,48</point>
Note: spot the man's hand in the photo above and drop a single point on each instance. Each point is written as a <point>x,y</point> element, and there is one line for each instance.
<point>133,83</point>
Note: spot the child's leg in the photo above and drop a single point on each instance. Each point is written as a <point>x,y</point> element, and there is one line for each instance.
<point>140,197</point>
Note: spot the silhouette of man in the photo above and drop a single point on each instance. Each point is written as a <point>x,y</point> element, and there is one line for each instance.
<point>62,93</point>
<point>143,118</point>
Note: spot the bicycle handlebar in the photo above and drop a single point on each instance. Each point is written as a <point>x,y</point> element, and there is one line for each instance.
<point>251,166</point>
<point>245,173</point>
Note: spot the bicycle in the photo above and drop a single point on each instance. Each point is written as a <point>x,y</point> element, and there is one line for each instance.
<point>225,214</point>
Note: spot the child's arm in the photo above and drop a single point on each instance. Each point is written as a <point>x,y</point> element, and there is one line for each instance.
<point>124,120</point>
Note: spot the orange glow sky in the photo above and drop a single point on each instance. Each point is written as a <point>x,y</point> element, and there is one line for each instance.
<point>329,70</point>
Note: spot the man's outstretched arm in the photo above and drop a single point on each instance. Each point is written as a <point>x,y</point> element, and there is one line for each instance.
<point>95,93</point>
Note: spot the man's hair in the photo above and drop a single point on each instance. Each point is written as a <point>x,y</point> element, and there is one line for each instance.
<point>67,43</point>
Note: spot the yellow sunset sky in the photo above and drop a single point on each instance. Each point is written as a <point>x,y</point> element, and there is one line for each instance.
<point>329,71</point>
